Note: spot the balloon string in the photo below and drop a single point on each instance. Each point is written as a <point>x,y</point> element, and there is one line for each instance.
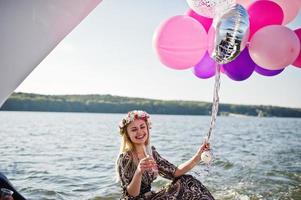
<point>215,100</point>
<point>214,111</point>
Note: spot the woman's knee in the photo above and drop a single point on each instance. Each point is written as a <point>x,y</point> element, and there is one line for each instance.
<point>186,178</point>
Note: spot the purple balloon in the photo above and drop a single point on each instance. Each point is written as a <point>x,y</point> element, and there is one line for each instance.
<point>240,68</point>
<point>266,72</point>
<point>205,68</point>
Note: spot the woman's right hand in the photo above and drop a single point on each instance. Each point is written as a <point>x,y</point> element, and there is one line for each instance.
<point>146,164</point>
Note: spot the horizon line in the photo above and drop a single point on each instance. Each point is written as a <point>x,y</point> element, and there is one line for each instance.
<point>149,98</point>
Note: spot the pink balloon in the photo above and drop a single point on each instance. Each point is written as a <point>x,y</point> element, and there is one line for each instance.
<point>263,13</point>
<point>180,42</point>
<point>298,3</point>
<point>206,22</point>
<point>297,62</point>
<point>222,69</point>
<point>244,3</point>
<point>274,47</point>
<point>290,9</point>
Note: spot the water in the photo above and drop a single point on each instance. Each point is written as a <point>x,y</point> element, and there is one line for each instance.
<point>71,155</point>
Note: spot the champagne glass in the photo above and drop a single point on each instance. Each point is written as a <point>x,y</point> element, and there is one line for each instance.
<point>148,152</point>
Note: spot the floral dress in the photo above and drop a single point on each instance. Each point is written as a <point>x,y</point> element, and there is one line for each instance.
<point>184,187</point>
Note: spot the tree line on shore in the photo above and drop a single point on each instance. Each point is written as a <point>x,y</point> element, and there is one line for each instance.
<point>118,104</point>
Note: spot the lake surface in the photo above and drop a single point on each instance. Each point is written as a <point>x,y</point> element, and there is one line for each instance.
<point>66,156</point>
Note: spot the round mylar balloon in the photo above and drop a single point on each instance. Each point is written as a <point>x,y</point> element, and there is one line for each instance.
<point>229,34</point>
<point>241,68</point>
<point>297,62</point>
<point>180,42</point>
<point>205,68</point>
<point>266,72</point>
<point>274,47</point>
<point>210,8</point>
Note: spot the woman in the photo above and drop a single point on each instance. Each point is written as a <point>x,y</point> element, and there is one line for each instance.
<point>137,168</point>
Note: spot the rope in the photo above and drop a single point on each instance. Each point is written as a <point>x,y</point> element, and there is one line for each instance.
<point>215,103</point>
<point>214,112</point>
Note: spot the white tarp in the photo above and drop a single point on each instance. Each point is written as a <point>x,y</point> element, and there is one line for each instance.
<point>29,31</point>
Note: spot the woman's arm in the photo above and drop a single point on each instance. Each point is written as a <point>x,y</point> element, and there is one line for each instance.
<point>134,187</point>
<point>145,164</point>
<point>188,165</point>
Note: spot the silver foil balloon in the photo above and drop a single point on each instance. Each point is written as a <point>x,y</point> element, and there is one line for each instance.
<point>230,34</point>
<point>210,8</point>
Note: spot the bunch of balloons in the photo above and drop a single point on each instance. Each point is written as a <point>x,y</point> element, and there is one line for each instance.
<point>241,36</point>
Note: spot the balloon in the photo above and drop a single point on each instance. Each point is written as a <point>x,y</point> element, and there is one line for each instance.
<point>266,72</point>
<point>32,29</point>
<point>222,69</point>
<point>205,68</point>
<point>244,3</point>
<point>298,3</point>
<point>297,62</point>
<point>274,47</point>
<point>206,22</point>
<point>241,68</point>
<point>229,34</point>
<point>259,17</point>
<point>210,8</point>
<point>180,42</point>
<point>290,9</point>
<point>206,157</point>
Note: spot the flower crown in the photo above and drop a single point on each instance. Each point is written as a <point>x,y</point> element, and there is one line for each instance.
<point>133,115</point>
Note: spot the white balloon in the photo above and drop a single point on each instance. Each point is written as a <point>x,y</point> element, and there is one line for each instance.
<point>30,30</point>
<point>206,157</point>
<point>210,8</point>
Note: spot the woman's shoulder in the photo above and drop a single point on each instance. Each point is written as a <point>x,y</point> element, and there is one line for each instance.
<point>154,151</point>
<point>156,154</point>
<point>127,155</point>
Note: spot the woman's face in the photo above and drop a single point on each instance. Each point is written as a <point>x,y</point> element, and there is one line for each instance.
<point>138,131</point>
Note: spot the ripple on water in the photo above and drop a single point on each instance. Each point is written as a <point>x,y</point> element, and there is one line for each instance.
<point>71,155</point>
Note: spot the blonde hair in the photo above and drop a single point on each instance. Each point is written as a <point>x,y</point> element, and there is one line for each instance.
<point>127,146</point>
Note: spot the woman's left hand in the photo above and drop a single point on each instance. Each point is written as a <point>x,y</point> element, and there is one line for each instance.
<point>204,147</point>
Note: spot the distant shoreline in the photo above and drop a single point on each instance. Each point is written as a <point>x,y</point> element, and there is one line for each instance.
<point>119,104</point>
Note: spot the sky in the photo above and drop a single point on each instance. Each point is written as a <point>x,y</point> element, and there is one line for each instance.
<point>110,52</point>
